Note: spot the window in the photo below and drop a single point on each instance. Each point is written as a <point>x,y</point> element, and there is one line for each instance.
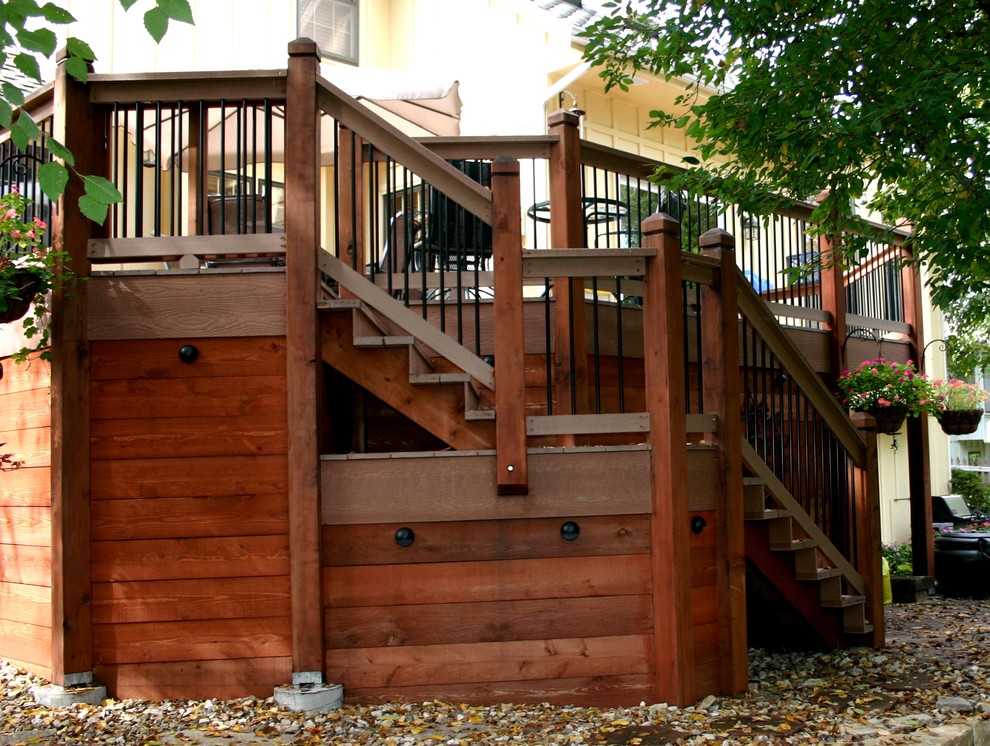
<point>333,25</point>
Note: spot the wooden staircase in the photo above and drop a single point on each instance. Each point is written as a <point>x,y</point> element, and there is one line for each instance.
<point>405,374</point>
<point>801,567</point>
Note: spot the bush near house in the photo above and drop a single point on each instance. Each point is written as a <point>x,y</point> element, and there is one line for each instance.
<point>899,558</point>
<point>970,485</point>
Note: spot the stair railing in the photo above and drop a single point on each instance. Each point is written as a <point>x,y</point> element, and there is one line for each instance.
<point>814,460</point>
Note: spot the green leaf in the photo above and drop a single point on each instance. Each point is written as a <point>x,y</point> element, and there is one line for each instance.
<point>6,114</point>
<point>56,14</point>
<point>79,48</point>
<point>52,177</point>
<point>24,131</point>
<point>40,40</point>
<point>12,94</point>
<point>156,22</point>
<point>77,68</point>
<point>93,209</point>
<point>58,150</point>
<point>102,189</point>
<point>691,159</point>
<point>177,10</point>
<point>126,4</point>
<point>28,64</point>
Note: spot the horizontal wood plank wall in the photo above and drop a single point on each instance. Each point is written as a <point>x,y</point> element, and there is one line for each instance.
<point>490,602</point>
<point>25,517</point>
<point>704,606</point>
<point>190,529</point>
<point>210,303</point>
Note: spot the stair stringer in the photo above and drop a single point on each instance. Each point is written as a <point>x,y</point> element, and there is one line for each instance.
<point>391,372</point>
<point>786,545</point>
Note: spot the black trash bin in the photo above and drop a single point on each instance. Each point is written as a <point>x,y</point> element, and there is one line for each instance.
<point>962,563</point>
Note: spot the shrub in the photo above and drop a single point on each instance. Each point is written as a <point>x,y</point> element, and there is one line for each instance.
<point>899,558</point>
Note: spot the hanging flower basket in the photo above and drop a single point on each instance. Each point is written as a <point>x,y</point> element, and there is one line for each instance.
<point>889,419</point>
<point>26,284</point>
<point>959,421</point>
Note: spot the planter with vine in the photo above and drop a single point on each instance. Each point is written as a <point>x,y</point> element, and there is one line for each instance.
<point>887,390</point>
<point>959,407</point>
<point>29,271</point>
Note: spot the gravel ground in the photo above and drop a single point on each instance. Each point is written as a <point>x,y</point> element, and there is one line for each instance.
<point>934,672</point>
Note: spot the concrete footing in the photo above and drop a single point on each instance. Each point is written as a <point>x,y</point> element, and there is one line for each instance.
<point>54,696</point>
<point>310,697</point>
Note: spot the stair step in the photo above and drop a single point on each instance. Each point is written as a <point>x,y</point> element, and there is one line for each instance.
<point>754,496</point>
<point>426,379</point>
<point>766,515</point>
<point>843,601</point>
<point>372,340</point>
<point>336,304</point>
<point>821,573</point>
<point>473,409</point>
<point>854,619</point>
<point>795,545</point>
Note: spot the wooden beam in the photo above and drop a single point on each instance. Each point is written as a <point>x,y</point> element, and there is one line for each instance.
<point>173,248</point>
<point>75,126</point>
<point>512,471</point>
<point>570,362</point>
<point>833,286</point>
<point>722,395</point>
<point>866,507</point>
<point>251,85</point>
<point>585,263</point>
<point>919,474</point>
<point>587,424</point>
<point>663,351</point>
<point>463,190</point>
<point>302,224</point>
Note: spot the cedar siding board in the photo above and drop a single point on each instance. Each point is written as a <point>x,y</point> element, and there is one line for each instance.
<point>490,603</point>
<point>25,518</point>
<point>190,551</point>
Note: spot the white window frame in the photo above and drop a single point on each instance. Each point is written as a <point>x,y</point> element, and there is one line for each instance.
<point>345,47</point>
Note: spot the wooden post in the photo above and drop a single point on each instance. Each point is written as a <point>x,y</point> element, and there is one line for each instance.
<point>866,512</point>
<point>302,221</point>
<point>350,199</point>
<point>919,478</point>
<point>567,231</point>
<point>510,421</point>
<point>663,352</point>
<point>72,644</point>
<point>834,302</point>
<point>722,396</point>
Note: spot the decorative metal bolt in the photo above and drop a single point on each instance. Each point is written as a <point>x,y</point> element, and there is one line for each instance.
<point>405,536</point>
<point>698,523</point>
<point>188,354</point>
<point>510,467</point>
<point>570,531</point>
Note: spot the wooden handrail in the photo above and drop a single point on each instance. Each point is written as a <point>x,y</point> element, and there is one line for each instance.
<point>250,85</point>
<point>759,468</point>
<point>410,321</point>
<point>466,148</point>
<point>459,187</point>
<point>755,309</point>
